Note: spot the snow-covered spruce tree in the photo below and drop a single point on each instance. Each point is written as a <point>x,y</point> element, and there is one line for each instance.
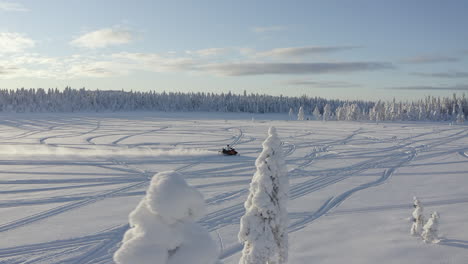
<point>291,113</point>
<point>417,217</point>
<point>460,118</point>
<point>263,229</point>
<point>340,112</point>
<point>300,114</point>
<point>316,114</point>
<point>431,228</point>
<point>327,112</point>
<point>163,228</point>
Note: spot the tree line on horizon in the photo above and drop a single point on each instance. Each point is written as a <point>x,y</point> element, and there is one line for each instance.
<point>429,108</point>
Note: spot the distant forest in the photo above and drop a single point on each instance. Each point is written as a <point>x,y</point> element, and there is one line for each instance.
<point>81,100</point>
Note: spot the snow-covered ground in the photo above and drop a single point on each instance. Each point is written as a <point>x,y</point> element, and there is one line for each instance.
<point>69,181</point>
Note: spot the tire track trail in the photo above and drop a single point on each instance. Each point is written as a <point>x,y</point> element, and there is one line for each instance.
<point>108,236</point>
<point>116,142</point>
<point>64,208</point>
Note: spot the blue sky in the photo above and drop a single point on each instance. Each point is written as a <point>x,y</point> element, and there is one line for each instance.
<point>335,49</point>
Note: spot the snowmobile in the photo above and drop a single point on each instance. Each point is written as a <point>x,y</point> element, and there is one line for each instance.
<point>229,151</point>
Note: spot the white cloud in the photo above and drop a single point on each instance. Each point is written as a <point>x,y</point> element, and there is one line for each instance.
<point>156,62</point>
<point>21,65</point>
<point>249,52</point>
<point>14,42</point>
<point>7,70</point>
<point>9,6</point>
<point>209,52</point>
<point>97,69</point>
<point>31,65</point>
<point>103,38</point>
<point>98,66</point>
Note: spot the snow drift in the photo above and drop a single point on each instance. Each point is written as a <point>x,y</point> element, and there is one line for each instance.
<point>163,228</point>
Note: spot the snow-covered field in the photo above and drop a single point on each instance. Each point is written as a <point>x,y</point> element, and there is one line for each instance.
<point>69,181</point>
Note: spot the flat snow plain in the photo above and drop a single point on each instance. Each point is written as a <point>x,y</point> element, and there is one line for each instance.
<point>69,181</point>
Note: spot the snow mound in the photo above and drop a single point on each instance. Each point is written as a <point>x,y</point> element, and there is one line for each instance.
<point>163,228</point>
<point>170,197</point>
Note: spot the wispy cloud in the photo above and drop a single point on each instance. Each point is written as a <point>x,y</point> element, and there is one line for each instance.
<point>240,69</point>
<point>13,7</point>
<point>321,84</point>
<point>97,69</point>
<point>451,74</point>
<point>268,29</point>
<point>302,51</point>
<point>17,65</point>
<point>209,52</point>
<point>103,38</point>
<point>426,59</point>
<point>93,66</point>
<point>156,62</point>
<point>7,70</point>
<point>459,87</point>
<point>37,66</point>
<point>14,42</point>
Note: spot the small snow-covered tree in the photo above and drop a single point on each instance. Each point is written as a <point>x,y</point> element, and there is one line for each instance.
<point>316,114</point>
<point>460,115</point>
<point>372,114</point>
<point>460,118</point>
<point>417,217</point>
<point>411,113</point>
<point>327,112</point>
<point>163,228</point>
<point>291,113</point>
<point>353,112</point>
<point>263,229</point>
<point>431,228</point>
<point>339,113</point>
<point>300,114</point>
<point>422,113</point>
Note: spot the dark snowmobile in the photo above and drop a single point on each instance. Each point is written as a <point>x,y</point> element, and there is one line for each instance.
<point>229,151</point>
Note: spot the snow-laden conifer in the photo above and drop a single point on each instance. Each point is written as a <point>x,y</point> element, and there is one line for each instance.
<point>431,228</point>
<point>327,112</point>
<point>460,118</point>
<point>291,113</point>
<point>417,217</point>
<point>300,114</point>
<point>316,113</point>
<point>163,228</point>
<point>263,229</point>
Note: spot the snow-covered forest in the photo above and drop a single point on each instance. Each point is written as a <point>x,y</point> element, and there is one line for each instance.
<point>81,100</point>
